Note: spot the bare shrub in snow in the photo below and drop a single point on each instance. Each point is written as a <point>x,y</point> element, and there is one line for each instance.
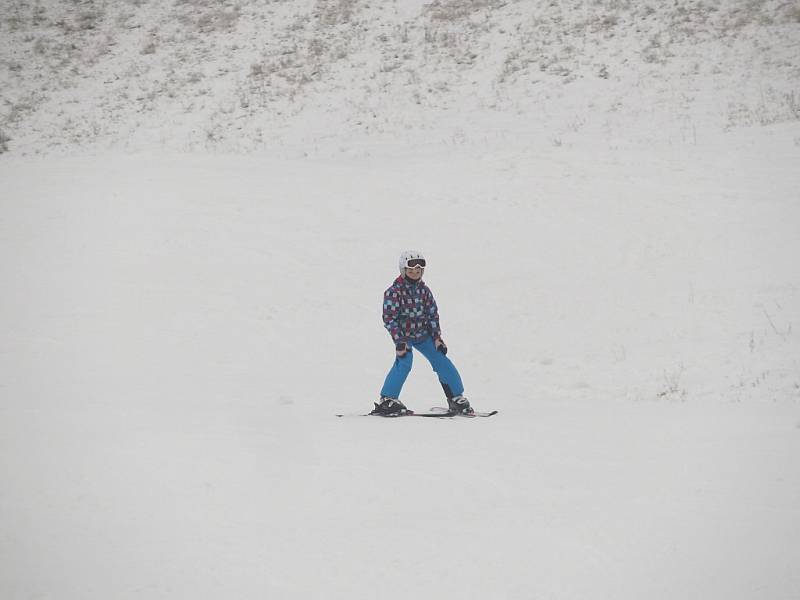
<point>14,22</point>
<point>21,108</point>
<point>672,385</point>
<point>89,20</point>
<point>40,46</point>
<point>654,52</point>
<point>4,139</point>
<point>454,10</point>
<point>773,107</point>
<point>335,12</point>
<point>792,101</point>
<point>514,63</point>
<point>257,70</point>
<point>207,16</point>
<point>747,13</point>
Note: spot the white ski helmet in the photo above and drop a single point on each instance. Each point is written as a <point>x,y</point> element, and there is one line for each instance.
<point>407,256</point>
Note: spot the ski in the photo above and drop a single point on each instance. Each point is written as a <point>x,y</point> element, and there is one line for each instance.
<point>443,411</point>
<point>436,415</point>
<point>436,412</point>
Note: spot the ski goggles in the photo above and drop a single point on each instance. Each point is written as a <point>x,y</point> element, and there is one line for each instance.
<point>415,262</point>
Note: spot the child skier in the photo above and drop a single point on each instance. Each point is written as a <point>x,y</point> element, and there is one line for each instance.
<point>411,317</point>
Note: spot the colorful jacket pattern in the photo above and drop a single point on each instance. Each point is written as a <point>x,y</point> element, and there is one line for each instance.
<point>410,313</point>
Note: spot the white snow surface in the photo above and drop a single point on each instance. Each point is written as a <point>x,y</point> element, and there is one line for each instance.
<point>614,258</point>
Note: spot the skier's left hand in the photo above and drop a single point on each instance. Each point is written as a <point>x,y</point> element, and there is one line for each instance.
<point>440,346</point>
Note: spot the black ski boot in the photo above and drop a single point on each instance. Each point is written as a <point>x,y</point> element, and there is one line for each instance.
<point>390,407</point>
<point>459,404</point>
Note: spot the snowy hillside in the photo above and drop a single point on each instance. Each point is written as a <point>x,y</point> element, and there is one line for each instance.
<point>201,204</point>
<point>314,76</point>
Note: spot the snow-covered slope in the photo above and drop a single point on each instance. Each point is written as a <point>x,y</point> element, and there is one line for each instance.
<point>607,194</point>
<point>178,333</point>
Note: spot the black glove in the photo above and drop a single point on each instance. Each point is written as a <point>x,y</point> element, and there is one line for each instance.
<point>442,348</point>
<point>401,348</point>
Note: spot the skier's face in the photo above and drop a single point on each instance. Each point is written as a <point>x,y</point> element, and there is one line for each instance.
<point>415,273</point>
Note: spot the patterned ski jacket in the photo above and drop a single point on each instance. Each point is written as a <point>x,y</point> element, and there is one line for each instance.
<point>410,313</point>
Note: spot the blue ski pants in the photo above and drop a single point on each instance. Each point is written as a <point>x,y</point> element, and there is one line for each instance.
<point>442,366</point>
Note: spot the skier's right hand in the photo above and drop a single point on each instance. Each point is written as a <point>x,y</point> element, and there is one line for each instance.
<point>401,349</point>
